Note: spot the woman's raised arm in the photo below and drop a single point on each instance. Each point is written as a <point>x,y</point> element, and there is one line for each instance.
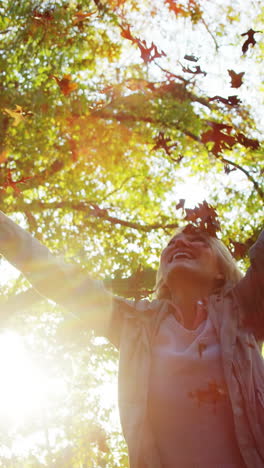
<point>64,283</point>
<point>250,290</point>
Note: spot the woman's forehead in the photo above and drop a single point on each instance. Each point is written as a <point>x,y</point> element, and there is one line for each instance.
<point>189,235</point>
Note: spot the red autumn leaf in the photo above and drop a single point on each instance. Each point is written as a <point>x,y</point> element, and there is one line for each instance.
<point>180,204</point>
<point>203,218</point>
<point>250,40</point>
<point>80,16</point>
<point>12,183</point>
<point>250,345</point>
<point>43,18</point>
<point>220,136</point>
<point>126,33</point>
<point>213,393</point>
<point>195,71</point>
<point>247,142</point>
<point>66,84</point>
<point>236,78</point>
<point>230,101</point>
<point>239,250</point>
<point>201,348</point>
<point>176,7</point>
<point>148,54</point>
<point>191,58</point>
<point>162,142</point>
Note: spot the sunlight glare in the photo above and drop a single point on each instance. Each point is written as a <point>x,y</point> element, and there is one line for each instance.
<point>25,390</point>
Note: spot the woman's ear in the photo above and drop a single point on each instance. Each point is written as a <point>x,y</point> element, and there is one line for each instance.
<point>219,282</point>
<point>219,276</point>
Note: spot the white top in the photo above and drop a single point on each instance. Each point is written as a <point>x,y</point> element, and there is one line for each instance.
<point>189,407</point>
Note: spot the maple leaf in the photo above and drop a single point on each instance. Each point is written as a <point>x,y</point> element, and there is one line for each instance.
<point>80,16</point>
<point>126,33</point>
<point>177,8</point>
<point>202,218</point>
<point>195,71</point>
<point>43,18</point>
<point>148,54</point>
<point>230,101</point>
<point>239,249</point>
<point>12,183</point>
<point>220,136</point>
<point>213,393</point>
<point>17,114</point>
<point>66,84</point>
<point>162,142</point>
<point>247,142</point>
<point>236,78</point>
<point>180,204</point>
<point>191,58</point>
<point>250,40</point>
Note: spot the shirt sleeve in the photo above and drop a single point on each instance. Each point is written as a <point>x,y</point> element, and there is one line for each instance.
<point>250,290</point>
<point>90,304</point>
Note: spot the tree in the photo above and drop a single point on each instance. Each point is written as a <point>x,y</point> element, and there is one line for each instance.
<point>100,121</point>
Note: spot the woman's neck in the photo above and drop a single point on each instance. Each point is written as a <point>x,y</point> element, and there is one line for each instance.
<point>188,303</point>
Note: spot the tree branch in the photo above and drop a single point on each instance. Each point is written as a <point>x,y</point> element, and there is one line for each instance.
<point>249,176</point>
<point>95,211</point>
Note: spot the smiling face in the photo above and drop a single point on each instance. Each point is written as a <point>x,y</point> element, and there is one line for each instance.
<point>189,258</point>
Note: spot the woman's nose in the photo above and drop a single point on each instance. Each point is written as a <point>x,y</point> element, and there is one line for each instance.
<point>181,243</point>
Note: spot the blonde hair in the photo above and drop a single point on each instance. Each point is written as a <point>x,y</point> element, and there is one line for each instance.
<point>227,265</point>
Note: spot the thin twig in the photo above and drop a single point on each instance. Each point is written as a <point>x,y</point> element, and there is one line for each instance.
<point>212,36</point>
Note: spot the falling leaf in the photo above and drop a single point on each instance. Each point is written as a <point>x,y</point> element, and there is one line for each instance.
<point>177,8</point>
<point>250,40</point>
<point>43,18</point>
<point>80,16</point>
<point>180,204</point>
<point>201,348</point>
<point>213,393</point>
<point>148,54</point>
<point>191,58</point>
<point>236,78</point>
<point>220,136</point>
<point>162,142</point>
<point>203,218</point>
<point>126,33</point>
<point>247,142</point>
<point>238,250</point>
<point>195,71</point>
<point>230,101</point>
<point>12,183</point>
<point>66,84</point>
<point>16,114</point>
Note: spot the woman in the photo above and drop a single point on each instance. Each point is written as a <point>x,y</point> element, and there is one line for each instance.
<point>191,376</point>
